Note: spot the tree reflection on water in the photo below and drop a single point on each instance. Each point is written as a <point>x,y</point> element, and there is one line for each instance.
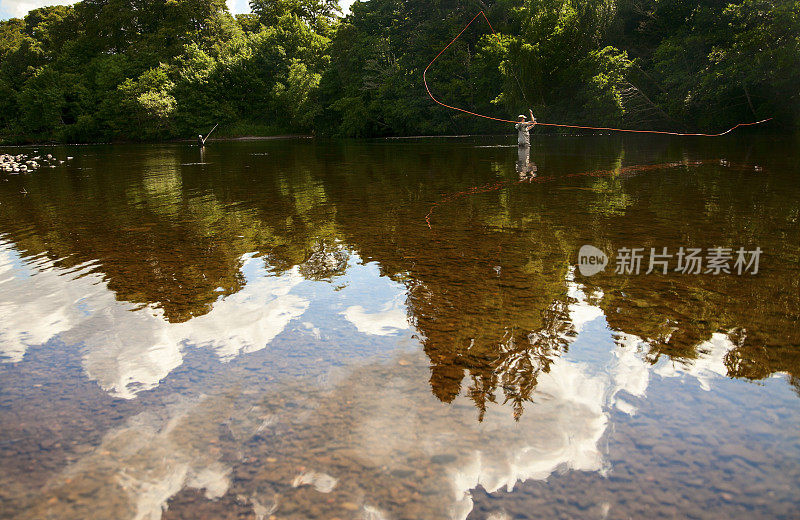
<point>487,289</point>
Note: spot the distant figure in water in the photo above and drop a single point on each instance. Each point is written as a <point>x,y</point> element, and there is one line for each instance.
<point>524,129</point>
<point>201,141</point>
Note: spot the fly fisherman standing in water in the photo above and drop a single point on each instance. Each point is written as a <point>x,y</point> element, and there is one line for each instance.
<point>525,168</point>
<point>524,129</point>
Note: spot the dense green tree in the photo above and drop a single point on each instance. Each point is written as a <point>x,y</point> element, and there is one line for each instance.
<point>713,63</point>
<point>560,50</point>
<point>321,15</point>
<point>759,57</point>
<point>374,85</point>
<point>136,69</point>
<point>11,36</point>
<point>267,78</point>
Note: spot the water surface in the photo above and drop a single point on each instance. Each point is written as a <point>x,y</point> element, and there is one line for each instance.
<point>399,329</point>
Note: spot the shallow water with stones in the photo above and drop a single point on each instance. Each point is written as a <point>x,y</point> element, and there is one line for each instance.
<point>399,329</point>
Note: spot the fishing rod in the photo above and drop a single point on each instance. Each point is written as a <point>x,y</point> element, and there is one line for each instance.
<point>202,140</point>
<point>537,123</point>
<point>212,131</point>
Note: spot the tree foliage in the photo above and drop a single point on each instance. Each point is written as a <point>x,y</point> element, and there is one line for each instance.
<point>157,69</point>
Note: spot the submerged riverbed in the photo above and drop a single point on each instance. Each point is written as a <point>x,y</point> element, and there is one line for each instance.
<point>402,329</point>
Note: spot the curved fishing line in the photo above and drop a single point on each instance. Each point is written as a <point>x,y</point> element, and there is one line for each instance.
<point>425,81</point>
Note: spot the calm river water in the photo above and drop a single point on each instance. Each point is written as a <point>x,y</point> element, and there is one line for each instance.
<point>402,329</point>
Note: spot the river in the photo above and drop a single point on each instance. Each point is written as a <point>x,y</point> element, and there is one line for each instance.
<point>403,329</point>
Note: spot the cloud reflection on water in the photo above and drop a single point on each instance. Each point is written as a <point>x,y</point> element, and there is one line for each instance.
<point>390,319</point>
<point>128,349</point>
<point>390,423</point>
